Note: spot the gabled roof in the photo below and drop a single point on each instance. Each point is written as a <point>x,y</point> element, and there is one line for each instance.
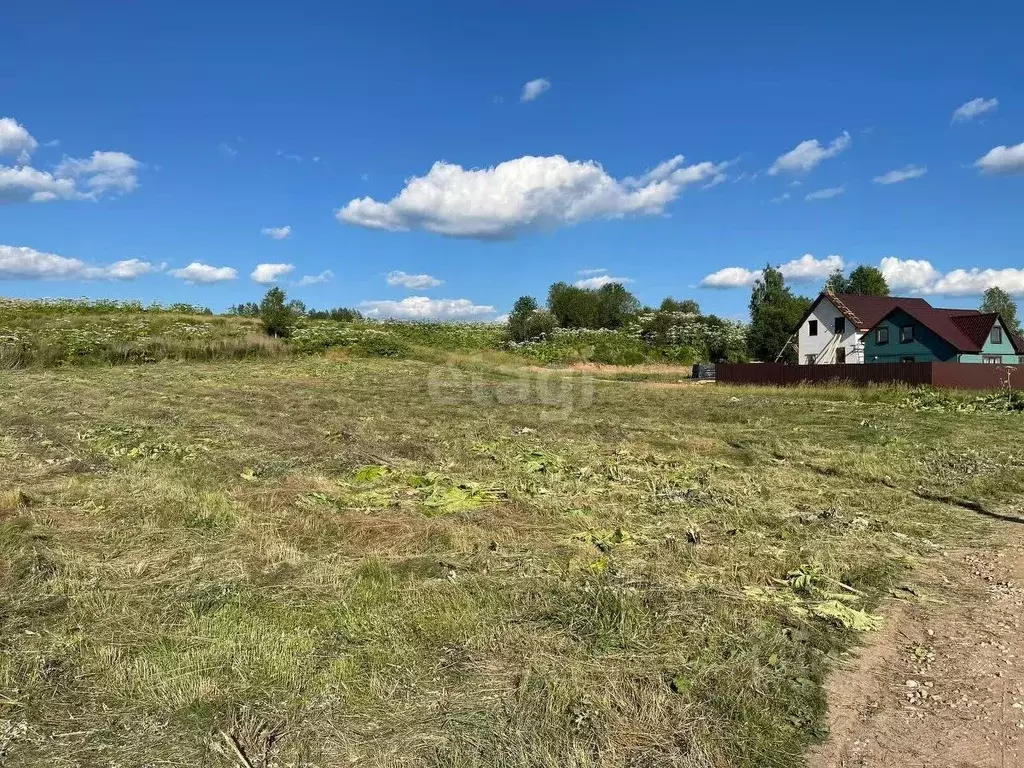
<point>868,310</point>
<point>864,312</point>
<point>965,330</point>
<point>941,323</point>
<point>976,327</point>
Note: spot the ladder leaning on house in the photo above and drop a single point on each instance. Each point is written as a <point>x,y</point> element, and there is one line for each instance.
<point>838,305</point>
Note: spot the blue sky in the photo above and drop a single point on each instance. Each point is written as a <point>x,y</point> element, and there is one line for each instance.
<point>141,140</point>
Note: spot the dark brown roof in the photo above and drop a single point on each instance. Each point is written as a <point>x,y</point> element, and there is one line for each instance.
<point>868,310</point>
<point>976,327</point>
<point>941,323</point>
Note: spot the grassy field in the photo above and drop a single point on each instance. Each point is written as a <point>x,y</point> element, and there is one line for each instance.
<point>323,561</point>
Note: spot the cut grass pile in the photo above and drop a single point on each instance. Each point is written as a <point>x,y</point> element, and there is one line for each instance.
<point>373,562</point>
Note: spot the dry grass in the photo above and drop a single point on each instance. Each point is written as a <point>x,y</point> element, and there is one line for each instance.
<point>344,562</point>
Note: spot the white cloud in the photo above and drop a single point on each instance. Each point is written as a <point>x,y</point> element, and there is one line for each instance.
<point>267,274</point>
<point>22,263</point>
<point>807,154</point>
<point>199,273</point>
<point>974,282</point>
<point>415,282</point>
<point>526,193</point>
<point>425,308</point>
<point>129,269</point>
<point>825,194</point>
<point>973,108</point>
<point>73,178</point>
<point>227,150</point>
<point>804,269</point>
<point>323,277</point>
<point>731,277</point>
<point>781,198</point>
<point>15,140</point>
<point>906,173</point>
<point>289,156</point>
<point>535,88</point>
<point>917,275</point>
<point>27,183</point>
<point>599,281</point>
<point>1003,159</point>
<point>103,172</point>
<point>809,268</point>
<point>595,271</point>
<point>277,233</point>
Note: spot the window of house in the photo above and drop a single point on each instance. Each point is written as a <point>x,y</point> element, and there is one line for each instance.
<point>809,359</point>
<point>994,359</point>
<point>907,359</point>
<point>840,355</point>
<point>882,335</point>
<point>997,335</point>
<point>812,328</point>
<point>840,325</point>
<point>906,334</point>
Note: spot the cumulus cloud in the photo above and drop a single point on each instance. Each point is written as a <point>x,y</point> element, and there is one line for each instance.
<point>906,173</point>
<point>825,194</point>
<point>323,277</point>
<point>102,172</point>
<point>22,263</point>
<point>1002,159</point>
<point>267,274</point>
<point>974,282</point>
<point>277,233</point>
<point>973,108</point>
<point>415,282</point>
<point>807,267</point>
<point>920,277</point>
<point>803,269</point>
<point>523,194</point>
<point>915,275</point>
<point>599,281</point>
<point>808,154</point>
<point>199,273</point>
<point>781,198</point>
<point>731,277</point>
<point>15,140</point>
<point>595,271</point>
<point>535,88</point>
<point>23,183</point>
<point>425,308</point>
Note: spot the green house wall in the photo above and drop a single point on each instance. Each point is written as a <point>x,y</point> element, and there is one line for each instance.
<point>1005,349</point>
<point>927,347</point>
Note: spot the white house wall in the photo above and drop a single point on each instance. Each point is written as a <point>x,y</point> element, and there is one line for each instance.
<point>824,345</point>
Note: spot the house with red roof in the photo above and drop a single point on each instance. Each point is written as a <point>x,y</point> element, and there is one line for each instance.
<point>850,328</point>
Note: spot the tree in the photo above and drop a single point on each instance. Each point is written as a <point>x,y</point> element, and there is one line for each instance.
<point>774,315</point>
<point>277,316</point>
<point>527,321</point>
<point>689,306</point>
<point>867,281</point>
<point>837,283</point>
<point>999,301</point>
<point>615,306</point>
<point>248,309</point>
<point>572,307</point>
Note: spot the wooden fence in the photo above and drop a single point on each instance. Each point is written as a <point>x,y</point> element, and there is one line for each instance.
<point>949,375</point>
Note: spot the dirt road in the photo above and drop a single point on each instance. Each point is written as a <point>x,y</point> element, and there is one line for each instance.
<point>943,684</point>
